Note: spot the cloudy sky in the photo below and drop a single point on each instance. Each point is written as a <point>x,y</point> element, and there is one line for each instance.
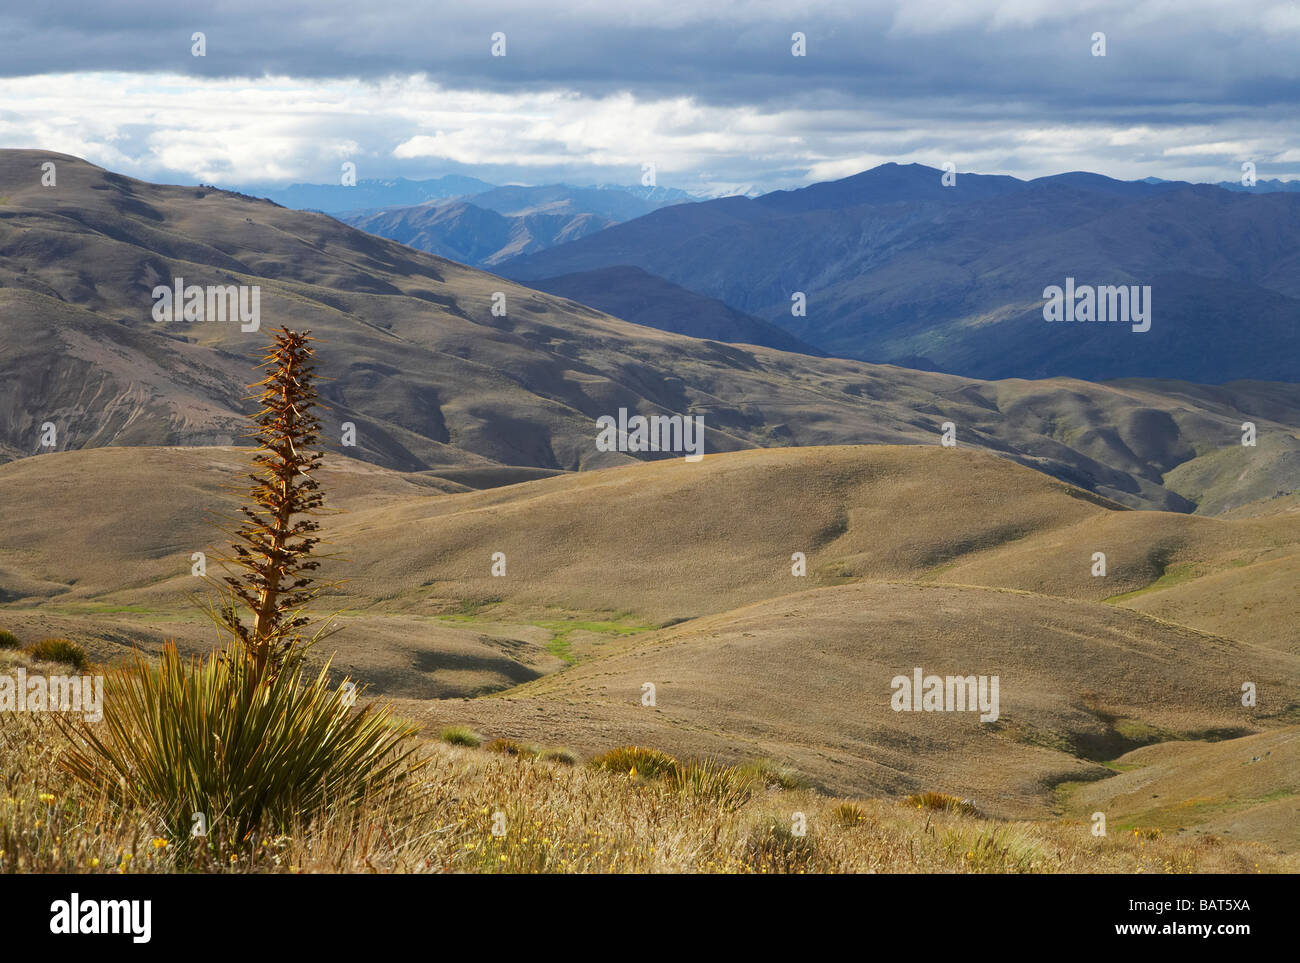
<point>710,93</point>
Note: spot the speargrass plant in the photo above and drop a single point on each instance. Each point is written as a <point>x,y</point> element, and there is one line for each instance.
<point>192,736</point>
<point>247,741</point>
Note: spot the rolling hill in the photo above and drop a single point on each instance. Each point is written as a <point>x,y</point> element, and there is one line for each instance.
<point>807,679</point>
<point>855,512</point>
<point>1245,788</point>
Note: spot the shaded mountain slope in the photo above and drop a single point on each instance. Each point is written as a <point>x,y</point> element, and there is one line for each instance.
<point>898,268</point>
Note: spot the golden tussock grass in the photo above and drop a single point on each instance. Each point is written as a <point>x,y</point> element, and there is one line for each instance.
<point>557,818</point>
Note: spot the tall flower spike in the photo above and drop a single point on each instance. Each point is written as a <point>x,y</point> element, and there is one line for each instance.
<point>274,543</point>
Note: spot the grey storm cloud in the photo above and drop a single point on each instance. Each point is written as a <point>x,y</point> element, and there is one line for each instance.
<point>1240,55</point>
<point>710,92</point>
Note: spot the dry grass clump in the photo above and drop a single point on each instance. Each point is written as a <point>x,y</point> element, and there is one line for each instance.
<point>511,747</point>
<point>775,775</point>
<point>461,736</point>
<point>849,814</point>
<point>941,801</point>
<point>774,846</point>
<point>565,757</point>
<point>637,761</point>
<point>63,651</point>
<point>728,787</point>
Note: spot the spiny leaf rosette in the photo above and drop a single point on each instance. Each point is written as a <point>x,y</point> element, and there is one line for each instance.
<point>274,543</point>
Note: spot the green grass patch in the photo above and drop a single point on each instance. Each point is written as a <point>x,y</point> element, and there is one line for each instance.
<point>1175,574</point>
<point>467,610</point>
<point>1143,733</point>
<point>933,573</point>
<point>562,630</point>
<point>1182,814</point>
<point>1121,766</point>
<point>561,645</point>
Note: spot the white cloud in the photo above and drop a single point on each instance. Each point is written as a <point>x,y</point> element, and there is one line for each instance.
<point>283,129</point>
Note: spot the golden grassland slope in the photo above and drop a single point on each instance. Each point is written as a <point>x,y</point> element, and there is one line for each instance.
<point>660,541</point>
<point>651,543</point>
<point>806,679</point>
<point>749,660</point>
<point>1240,789</point>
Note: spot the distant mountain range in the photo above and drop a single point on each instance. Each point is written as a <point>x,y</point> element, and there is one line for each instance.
<point>500,223</point>
<point>617,201</point>
<point>435,380</point>
<point>1262,187</point>
<point>896,267</point>
<point>366,194</point>
<point>893,266</point>
<point>475,235</point>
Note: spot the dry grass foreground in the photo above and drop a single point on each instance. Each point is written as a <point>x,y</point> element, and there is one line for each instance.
<point>558,818</point>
